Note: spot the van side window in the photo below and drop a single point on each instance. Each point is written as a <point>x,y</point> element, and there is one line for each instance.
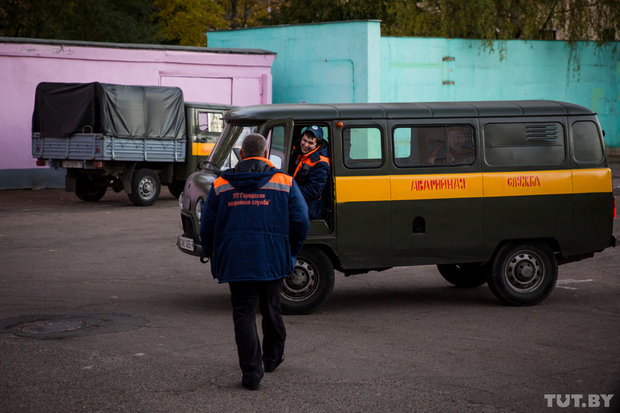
<point>433,145</point>
<point>275,138</point>
<point>524,144</point>
<point>586,142</point>
<point>362,147</point>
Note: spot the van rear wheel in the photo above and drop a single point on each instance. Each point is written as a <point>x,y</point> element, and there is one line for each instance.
<point>523,273</point>
<point>310,284</point>
<point>464,275</point>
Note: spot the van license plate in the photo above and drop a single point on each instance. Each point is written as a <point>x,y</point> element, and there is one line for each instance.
<point>186,243</point>
<point>71,164</point>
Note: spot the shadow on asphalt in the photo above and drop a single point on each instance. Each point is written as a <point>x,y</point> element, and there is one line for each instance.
<point>199,302</point>
<point>409,298</point>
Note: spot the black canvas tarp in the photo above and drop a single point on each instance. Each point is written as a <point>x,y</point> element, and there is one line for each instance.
<point>134,112</point>
<point>62,109</point>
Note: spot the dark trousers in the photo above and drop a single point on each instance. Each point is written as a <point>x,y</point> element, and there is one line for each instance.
<point>243,296</point>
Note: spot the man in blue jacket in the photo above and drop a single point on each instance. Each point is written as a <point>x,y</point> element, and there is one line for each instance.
<point>312,169</point>
<point>253,226</point>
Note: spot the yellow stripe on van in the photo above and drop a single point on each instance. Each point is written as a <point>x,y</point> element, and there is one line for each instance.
<point>591,181</point>
<point>362,188</point>
<point>490,184</point>
<point>410,187</point>
<point>407,187</point>
<point>202,149</point>
<point>527,183</point>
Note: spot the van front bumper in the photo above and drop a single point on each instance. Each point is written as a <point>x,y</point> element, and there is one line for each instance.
<point>194,249</point>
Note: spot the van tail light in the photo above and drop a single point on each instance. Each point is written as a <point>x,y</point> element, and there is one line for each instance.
<point>40,162</point>
<point>98,164</point>
<point>615,212</point>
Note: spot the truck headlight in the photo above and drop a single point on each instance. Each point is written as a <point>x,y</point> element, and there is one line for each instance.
<point>199,206</point>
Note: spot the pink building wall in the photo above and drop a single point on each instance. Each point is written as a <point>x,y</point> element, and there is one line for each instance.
<point>229,76</point>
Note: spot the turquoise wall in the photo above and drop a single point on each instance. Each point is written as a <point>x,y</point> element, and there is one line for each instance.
<point>351,62</point>
<point>317,63</point>
<point>427,69</point>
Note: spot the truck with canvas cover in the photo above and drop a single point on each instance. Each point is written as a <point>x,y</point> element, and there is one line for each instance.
<point>131,138</point>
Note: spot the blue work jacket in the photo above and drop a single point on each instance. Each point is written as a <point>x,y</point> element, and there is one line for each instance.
<point>254,223</point>
<point>311,174</point>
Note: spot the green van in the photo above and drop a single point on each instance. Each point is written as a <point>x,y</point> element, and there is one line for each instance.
<point>490,192</point>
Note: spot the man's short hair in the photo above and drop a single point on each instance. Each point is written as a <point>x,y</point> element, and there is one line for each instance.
<point>254,145</point>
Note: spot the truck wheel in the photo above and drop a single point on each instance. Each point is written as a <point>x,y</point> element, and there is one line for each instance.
<point>523,274</point>
<point>464,275</point>
<point>145,187</point>
<point>176,188</point>
<point>310,284</point>
<point>88,189</point>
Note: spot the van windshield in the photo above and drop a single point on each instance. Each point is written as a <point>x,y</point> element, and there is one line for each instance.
<point>225,154</point>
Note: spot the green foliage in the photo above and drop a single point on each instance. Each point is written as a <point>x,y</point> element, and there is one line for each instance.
<point>570,20</point>
<point>102,20</point>
<point>186,22</point>
<point>251,13</point>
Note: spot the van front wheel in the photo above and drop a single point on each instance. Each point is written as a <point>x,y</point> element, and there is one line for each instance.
<point>523,274</point>
<point>464,275</point>
<point>310,284</point>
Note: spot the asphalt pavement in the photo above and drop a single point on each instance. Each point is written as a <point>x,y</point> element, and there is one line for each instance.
<point>99,311</point>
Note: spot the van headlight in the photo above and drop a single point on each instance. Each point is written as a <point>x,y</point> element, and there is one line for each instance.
<point>199,206</point>
<point>181,200</point>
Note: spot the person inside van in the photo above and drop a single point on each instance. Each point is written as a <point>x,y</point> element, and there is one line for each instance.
<point>436,147</point>
<point>312,169</point>
<point>461,145</point>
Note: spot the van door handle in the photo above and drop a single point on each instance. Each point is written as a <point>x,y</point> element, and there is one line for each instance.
<point>419,225</point>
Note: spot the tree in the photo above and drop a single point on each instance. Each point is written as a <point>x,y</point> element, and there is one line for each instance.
<point>24,18</point>
<point>103,20</point>
<point>250,13</point>
<point>491,20</point>
<point>186,22</point>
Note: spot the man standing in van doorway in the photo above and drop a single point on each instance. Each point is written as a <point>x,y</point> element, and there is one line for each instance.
<point>253,225</point>
<point>312,169</point>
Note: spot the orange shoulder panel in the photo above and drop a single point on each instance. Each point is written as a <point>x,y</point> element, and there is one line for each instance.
<point>219,182</point>
<point>281,178</point>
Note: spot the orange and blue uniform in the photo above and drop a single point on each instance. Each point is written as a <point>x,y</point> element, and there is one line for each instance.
<point>311,174</point>
<point>244,226</point>
<point>253,225</point>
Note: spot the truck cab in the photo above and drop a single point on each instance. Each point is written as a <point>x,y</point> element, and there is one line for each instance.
<point>204,125</point>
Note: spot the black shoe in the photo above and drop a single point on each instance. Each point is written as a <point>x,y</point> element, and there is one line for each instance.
<point>247,384</point>
<point>271,368</point>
